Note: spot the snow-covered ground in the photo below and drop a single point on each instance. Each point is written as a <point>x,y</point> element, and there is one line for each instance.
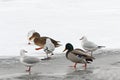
<point>63,20</point>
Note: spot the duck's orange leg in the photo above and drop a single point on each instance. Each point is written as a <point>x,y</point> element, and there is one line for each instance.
<point>85,65</point>
<point>38,48</point>
<point>29,69</point>
<point>74,66</point>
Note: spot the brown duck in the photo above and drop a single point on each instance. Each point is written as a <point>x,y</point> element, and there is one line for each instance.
<point>40,41</point>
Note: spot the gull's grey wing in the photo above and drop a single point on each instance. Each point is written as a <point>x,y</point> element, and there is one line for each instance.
<point>89,45</point>
<point>31,60</point>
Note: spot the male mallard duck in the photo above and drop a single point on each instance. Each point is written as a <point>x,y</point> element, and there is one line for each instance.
<point>77,55</point>
<point>49,47</point>
<point>40,41</point>
<point>28,61</point>
<point>89,46</point>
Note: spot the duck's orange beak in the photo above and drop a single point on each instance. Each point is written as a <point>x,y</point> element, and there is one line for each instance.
<point>64,50</point>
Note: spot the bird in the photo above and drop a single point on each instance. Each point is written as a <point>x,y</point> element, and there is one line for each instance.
<point>49,47</point>
<point>28,61</point>
<point>89,46</point>
<point>40,41</point>
<point>77,55</point>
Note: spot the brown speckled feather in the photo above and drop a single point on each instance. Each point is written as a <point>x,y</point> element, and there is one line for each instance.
<point>41,41</point>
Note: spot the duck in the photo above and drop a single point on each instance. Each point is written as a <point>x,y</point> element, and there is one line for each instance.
<point>89,46</point>
<point>77,55</point>
<point>49,47</point>
<point>28,61</point>
<point>40,41</point>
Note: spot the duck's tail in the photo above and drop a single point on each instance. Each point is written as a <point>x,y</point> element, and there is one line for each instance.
<point>89,60</point>
<point>58,45</point>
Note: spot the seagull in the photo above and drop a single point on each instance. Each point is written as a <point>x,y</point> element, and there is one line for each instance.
<point>89,46</point>
<point>28,61</point>
<point>49,47</point>
<point>77,55</point>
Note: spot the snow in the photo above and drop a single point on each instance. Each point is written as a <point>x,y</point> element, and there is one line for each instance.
<point>63,20</point>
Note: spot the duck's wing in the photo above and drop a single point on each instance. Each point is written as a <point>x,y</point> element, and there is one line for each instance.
<point>56,43</point>
<point>80,52</point>
<point>40,41</point>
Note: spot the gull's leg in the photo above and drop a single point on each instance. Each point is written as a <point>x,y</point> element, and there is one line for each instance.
<point>29,69</point>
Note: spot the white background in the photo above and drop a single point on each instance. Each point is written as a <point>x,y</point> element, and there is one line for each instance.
<point>63,20</point>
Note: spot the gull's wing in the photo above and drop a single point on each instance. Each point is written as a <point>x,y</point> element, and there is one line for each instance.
<point>30,60</point>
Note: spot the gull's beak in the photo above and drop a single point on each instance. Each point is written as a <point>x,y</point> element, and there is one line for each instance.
<point>64,50</point>
<point>26,51</point>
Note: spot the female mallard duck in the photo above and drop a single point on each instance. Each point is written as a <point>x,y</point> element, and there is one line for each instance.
<point>40,41</point>
<point>77,55</point>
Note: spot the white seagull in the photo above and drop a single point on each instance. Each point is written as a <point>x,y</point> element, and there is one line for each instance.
<point>28,61</point>
<point>88,45</point>
<point>49,47</point>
